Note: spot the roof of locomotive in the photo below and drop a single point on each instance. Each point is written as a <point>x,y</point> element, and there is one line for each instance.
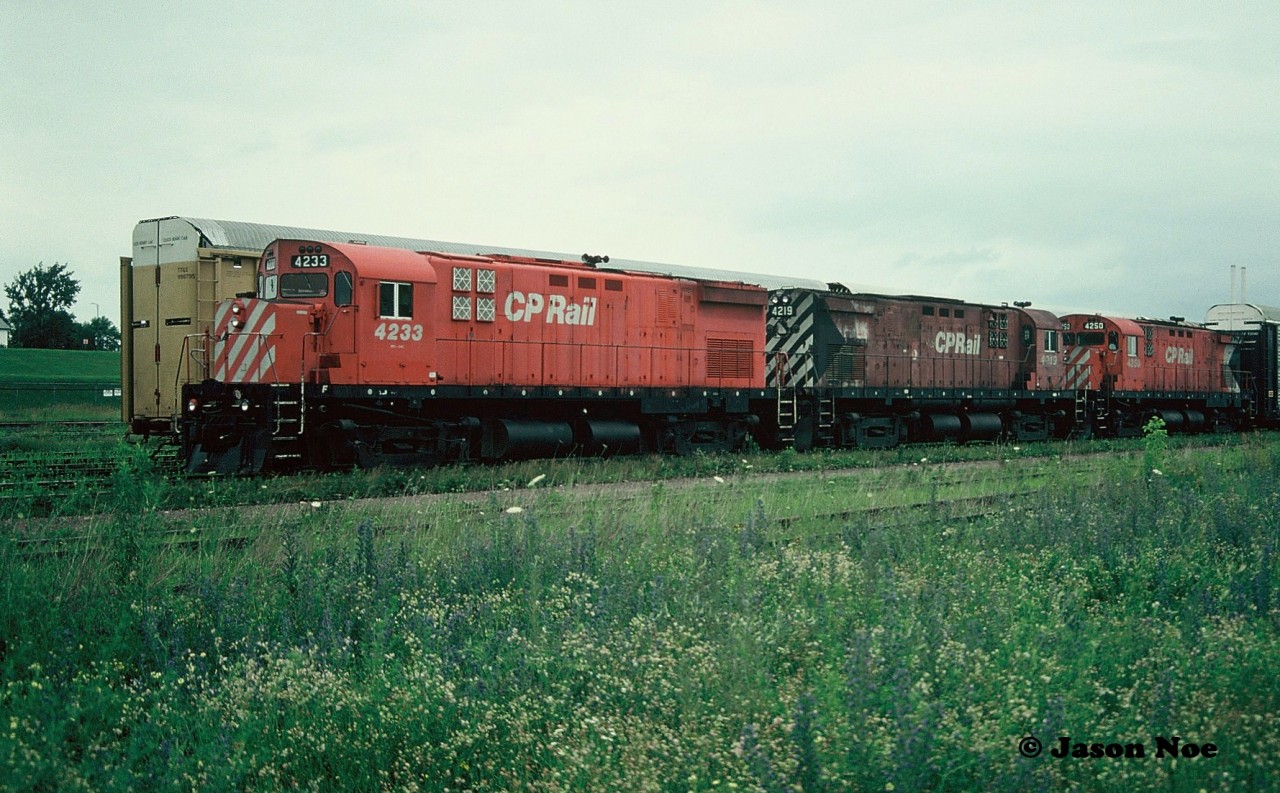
<point>1041,317</point>
<point>381,261</point>
<point>384,261</point>
<point>1122,324</point>
<point>243,236</point>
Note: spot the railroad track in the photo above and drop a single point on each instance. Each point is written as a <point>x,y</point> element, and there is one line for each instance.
<point>939,494</point>
<point>54,470</point>
<point>51,473</point>
<point>870,518</point>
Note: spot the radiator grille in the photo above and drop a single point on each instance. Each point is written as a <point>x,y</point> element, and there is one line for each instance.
<point>848,364</point>
<point>730,358</point>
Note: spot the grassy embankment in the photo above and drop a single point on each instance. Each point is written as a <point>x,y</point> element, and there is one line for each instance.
<point>65,385</point>
<point>670,641</point>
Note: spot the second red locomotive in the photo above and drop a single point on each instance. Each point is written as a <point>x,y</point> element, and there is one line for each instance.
<point>874,370</point>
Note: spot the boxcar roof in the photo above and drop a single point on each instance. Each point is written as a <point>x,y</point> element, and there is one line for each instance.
<point>1241,316</point>
<point>235,235</point>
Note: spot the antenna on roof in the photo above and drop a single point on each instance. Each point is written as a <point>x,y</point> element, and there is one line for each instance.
<point>593,260</point>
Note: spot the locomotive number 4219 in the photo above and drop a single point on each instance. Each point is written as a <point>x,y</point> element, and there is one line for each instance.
<point>398,331</point>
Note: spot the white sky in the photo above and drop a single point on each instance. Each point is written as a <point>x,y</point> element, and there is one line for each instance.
<point>1082,155</point>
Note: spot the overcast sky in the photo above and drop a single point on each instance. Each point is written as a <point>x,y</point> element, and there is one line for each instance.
<point>1085,156</point>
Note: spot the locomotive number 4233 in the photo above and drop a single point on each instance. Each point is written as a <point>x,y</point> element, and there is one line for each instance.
<point>398,331</point>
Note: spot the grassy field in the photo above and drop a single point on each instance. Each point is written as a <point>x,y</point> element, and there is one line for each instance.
<point>59,366</point>
<point>67,385</point>
<point>658,640</point>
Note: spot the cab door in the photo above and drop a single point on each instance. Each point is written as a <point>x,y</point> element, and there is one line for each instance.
<point>337,332</point>
<point>341,332</point>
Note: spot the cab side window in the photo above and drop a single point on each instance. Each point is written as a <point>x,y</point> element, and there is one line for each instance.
<point>343,288</point>
<point>395,300</point>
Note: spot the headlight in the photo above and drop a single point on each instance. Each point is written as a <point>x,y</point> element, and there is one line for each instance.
<point>193,405</point>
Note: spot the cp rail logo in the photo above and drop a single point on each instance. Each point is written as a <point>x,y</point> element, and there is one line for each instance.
<point>1066,749</point>
<point>559,310</point>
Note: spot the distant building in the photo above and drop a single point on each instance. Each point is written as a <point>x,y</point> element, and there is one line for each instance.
<point>4,332</point>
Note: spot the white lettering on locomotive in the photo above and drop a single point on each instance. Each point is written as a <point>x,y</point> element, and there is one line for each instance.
<point>1179,355</point>
<point>957,343</point>
<point>559,311</point>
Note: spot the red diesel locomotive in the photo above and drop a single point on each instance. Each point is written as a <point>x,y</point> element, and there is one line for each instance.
<point>876,370</point>
<point>1130,370</point>
<point>352,354</point>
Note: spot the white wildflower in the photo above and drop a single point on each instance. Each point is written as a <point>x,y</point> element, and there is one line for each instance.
<point>514,510</point>
<point>718,479</point>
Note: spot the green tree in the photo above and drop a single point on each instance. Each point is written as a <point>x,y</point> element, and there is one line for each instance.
<point>98,333</point>
<point>38,303</point>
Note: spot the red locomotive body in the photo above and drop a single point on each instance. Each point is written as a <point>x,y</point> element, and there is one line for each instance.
<point>386,350</point>
<point>402,318</point>
<point>1141,368</point>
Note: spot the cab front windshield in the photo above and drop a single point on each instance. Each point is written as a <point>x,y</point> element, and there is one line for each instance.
<point>304,285</point>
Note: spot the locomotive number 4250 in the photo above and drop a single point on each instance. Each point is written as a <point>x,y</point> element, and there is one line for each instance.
<point>398,331</point>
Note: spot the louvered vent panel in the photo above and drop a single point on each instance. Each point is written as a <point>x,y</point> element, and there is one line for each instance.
<point>666,307</point>
<point>848,364</point>
<point>730,358</point>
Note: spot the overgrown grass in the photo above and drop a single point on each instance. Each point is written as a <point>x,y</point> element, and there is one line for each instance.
<point>661,645</point>
<point>384,482</point>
